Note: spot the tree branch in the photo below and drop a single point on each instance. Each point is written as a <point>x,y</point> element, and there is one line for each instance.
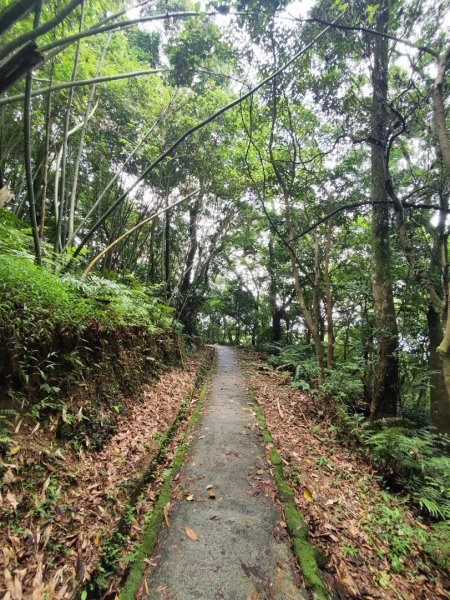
<point>192,130</point>
<point>357,205</point>
<point>370,31</point>
<point>133,229</point>
<point>35,33</point>
<point>80,82</point>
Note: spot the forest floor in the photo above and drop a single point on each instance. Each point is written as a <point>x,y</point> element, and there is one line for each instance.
<point>226,521</point>
<point>370,537</point>
<point>60,506</point>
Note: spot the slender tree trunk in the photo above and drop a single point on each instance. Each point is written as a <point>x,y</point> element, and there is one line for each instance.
<point>27,151</point>
<point>312,326</point>
<point>386,394</point>
<point>48,124</point>
<point>367,344</point>
<point>151,254</point>
<point>329,301</point>
<point>76,169</point>
<point>62,203</point>
<point>185,311</point>
<point>276,312</point>
<point>167,247</point>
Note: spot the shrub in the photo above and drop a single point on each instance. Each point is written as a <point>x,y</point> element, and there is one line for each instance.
<point>416,460</point>
<point>56,331</point>
<point>344,384</point>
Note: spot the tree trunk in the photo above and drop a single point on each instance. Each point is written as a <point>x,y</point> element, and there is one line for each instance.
<point>48,125</point>
<point>276,312</point>
<point>329,299</point>
<point>167,246</point>
<point>62,203</point>
<point>439,398</point>
<point>386,394</point>
<point>277,315</point>
<point>27,151</point>
<point>442,419</point>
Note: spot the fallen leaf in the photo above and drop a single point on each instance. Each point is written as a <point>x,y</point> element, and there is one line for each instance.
<point>384,580</point>
<point>190,497</point>
<point>193,535</point>
<point>260,472</point>
<point>307,494</point>
<point>212,494</point>
<point>167,514</point>
<point>12,500</point>
<point>44,487</point>
<point>14,450</point>
<point>9,477</point>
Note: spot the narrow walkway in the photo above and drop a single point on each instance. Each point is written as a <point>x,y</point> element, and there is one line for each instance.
<point>242,552</point>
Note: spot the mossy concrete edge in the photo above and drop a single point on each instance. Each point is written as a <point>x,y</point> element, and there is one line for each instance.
<point>156,517</point>
<point>306,553</point>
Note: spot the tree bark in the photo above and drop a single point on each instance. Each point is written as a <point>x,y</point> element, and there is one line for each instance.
<point>276,312</point>
<point>386,394</point>
<point>19,65</point>
<point>440,409</point>
<point>439,398</point>
<point>329,300</point>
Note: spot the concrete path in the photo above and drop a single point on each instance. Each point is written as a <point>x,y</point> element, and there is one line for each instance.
<point>242,552</point>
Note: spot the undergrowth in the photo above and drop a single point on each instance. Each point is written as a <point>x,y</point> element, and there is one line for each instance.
<point>414,460</point>
<point>65,336</point>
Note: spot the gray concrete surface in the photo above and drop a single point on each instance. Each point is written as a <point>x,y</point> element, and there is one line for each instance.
<point>242,552</point>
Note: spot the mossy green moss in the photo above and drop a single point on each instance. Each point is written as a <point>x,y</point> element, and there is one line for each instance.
<point>275,457</point>
<point>310,558</point>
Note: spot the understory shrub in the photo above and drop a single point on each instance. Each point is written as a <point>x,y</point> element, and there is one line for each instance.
<point>344,384</point>
<point>63,336</point>
<point>297,360</point>
<point>417,460</point>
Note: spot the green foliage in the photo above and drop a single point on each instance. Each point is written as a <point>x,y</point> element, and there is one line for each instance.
<point>288,358</point>
<point>437,544</point>
<point>417,460</point>
<point>387,522</point>
<point>198,46</point>
<point>344,384</point>
<point>54,331</point>
<point>296,359</point>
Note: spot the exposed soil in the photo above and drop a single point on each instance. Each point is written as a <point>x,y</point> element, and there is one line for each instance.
<point>347,511</point>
